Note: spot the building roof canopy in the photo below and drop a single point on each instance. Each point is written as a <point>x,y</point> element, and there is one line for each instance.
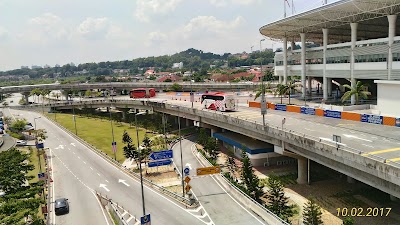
<point>337,16</point>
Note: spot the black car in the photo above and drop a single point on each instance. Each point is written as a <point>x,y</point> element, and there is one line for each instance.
<point>61,206</point>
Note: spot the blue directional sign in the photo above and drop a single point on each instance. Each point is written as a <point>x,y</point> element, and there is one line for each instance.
<point>165,154</point>
<point>41,176</point>
<point>186,171</point>
<point>160,163</point>
<point>145,220</point>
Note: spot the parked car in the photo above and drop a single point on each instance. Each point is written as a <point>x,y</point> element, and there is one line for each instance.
<point>21,142</point>
<point>61,206</point>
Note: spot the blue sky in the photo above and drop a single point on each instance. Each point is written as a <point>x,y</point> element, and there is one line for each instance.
<point>59,31</point>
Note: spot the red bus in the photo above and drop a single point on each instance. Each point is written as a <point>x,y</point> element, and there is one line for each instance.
<point>142,93</point>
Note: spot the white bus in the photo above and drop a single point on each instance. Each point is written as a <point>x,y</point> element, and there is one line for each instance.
<point>218,101</point>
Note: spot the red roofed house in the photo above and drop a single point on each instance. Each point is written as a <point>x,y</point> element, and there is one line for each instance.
<point>173,78</point>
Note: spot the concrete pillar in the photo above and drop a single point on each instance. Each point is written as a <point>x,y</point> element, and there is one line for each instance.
<point>325,80</point>
<point>352,60</point>
<point>280,79</point>
<point>303,64</point>
<point>392,32</point>
<point>26,96</point>
<point>123,115</point>
<point>393,198</point>
<point>302,170</point>
<point>176,120</point>
<point>292,45</point>
<point>187,123</point>
<point>309,85</point>
<point>329,87</point>
<point>285,60</point>
<point>351,180</point>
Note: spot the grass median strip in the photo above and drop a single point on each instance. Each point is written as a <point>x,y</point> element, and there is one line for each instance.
<point>97,132</point>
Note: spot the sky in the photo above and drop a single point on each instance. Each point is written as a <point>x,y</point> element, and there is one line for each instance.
<point>62,31</point>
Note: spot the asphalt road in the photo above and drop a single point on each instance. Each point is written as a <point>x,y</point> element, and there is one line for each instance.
<point>218,204</point>
<point>78,171</point>
<point>373,140</point>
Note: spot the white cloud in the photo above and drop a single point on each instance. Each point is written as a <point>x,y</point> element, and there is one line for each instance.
<point>94,28</point>
<point>147,8</point>
<point>156,38</point>
<point>209,26</point>
<point>47,20</point>
<point>223,3</point>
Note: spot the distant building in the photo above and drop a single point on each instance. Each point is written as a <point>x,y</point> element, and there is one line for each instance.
<point>173,78</point>
<point>187,74</point>
<point>72,64</point>
<point>57,66</point>
<point>46,66</point>
<point>24,67</point>
<point>177,65</point>
<point>149,72</point>
<point>212,66</point>
<point>36,67</point>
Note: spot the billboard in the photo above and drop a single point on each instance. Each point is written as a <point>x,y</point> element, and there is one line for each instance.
<point>308,111</point>
<point>366,118</point>
<point>280,107</point>
<point>333,114</point>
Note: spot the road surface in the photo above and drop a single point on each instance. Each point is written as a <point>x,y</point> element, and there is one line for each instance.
<point>220,206</point>
<point>78,171</point>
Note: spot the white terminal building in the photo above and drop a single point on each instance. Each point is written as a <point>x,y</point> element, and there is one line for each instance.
<point>356,39</point>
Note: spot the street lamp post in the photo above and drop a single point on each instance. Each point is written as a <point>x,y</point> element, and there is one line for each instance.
<point>191,93</point>
<point>112,127</point>
<point>263,102</point>
<point>180,148</point>
<point>73,116</point>
<point>140,161</point>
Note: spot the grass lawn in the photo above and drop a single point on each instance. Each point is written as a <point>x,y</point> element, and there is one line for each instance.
<point>33,159</point>
<point>98,132</point>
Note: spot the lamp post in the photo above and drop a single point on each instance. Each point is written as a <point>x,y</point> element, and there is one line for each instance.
<point>36,143</point>
<point>73,116</point>
<point>191,93</point>
<point>140,160</point>
<point>263,102</point>
<point>180,148</point>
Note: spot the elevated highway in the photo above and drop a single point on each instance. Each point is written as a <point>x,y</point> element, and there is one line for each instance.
<point>186,86</point>
<point>368,153</point>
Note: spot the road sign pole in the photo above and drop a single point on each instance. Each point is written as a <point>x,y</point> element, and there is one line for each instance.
<point>180,147</point>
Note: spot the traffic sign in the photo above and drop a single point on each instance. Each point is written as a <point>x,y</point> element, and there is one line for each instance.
<point>187,179</point>
<point>160,163</point>
<point>145,220</point>
<point>114,146</point>
<point>188,187</point>
<point>165,154</point>
<point>42,176</point>
<point>186,171</point>
<point>208,170</point>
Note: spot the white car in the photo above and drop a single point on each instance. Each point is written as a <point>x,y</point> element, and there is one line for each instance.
<point>21,142</point>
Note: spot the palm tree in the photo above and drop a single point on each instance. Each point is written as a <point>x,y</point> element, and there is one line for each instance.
<point>267,89</point>
<point>281,89</point>
<point>36,92</point>
<point>46,93</point>
<point>358,92</point>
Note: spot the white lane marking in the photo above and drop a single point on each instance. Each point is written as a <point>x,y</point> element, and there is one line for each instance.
<point>73,144</point>
<point>84,162</point>
<point>229,194</point>
<point>98,174</point>
<point>90,167</point>
<point>109,164</point>
<point>107,181</point>
<point>355,137</point>
<point>124,182</point>
<point>105,187</point>
<point>73,152</point>
<point>373,137</point>
<point>308,129</point>
<point>104,214</point>
<point>79,157</point>
<point>370,146</point>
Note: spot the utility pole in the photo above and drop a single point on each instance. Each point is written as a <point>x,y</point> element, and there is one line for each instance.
<point>263,102</point>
